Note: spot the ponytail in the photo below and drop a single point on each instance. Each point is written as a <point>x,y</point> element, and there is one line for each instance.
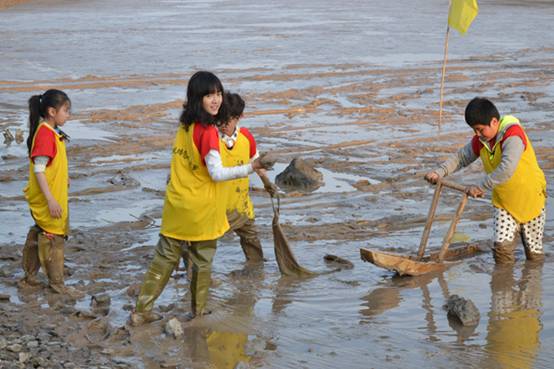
<point>38,108</point>
<point>34,119</point>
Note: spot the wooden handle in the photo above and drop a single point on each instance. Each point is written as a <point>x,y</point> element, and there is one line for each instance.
<point>453,185</point>
<point>452,229</point>
<point>430,218</point>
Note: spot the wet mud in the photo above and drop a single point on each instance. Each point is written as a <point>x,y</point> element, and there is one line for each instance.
<point>369,126</point>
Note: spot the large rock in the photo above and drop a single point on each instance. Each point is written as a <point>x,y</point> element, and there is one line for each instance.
<point>299,175</point>
<point>463,310</point>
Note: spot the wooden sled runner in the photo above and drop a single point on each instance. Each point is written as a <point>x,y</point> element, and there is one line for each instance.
<point>435,262</point>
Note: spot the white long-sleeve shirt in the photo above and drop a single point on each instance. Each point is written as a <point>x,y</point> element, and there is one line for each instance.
<point>220,173</point>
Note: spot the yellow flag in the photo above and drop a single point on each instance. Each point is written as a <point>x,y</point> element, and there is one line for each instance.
<point>462,13</point>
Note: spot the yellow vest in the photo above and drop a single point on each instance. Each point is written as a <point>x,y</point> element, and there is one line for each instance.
<point>194,207</point>
<point>237,189</point>
<point>523,195</point>
<point>57,178</point>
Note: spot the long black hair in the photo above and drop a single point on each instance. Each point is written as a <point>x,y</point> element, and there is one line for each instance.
<point>201,84</point>
<point>38,108</point>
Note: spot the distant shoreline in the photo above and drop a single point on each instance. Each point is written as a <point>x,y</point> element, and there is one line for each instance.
<point>5,4</point>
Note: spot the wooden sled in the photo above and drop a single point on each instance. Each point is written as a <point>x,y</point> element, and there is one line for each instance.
<point>410,265</point>
<point>436,261</point>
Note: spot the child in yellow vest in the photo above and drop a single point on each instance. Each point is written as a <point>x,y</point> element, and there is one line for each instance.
<point>47,191</point>
<point>513,174</point>
<point>237,147</point>
<point>193,216</point>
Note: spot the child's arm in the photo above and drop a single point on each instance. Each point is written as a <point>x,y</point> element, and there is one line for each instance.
<point>461,159</point>
<point>219,173</point>
<point>271,188</point>
<point>41,162</point>
<point>53,206</point>
<point>512,149</point>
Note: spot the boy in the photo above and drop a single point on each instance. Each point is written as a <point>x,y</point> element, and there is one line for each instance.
<point>238,147</point>
<point>517,182</point>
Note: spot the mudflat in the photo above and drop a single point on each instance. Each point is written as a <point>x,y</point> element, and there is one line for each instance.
<point>354,88</point>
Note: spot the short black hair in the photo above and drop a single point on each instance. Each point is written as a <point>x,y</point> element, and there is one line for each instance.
<point>235,104</point>
<point>480,111</point>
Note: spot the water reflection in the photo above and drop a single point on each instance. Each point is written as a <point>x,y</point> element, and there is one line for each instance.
<point>222,342</point>
<point>514,320</point>
<point>385,298</point>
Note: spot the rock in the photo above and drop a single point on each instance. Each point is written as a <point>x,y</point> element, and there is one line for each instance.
<point>16,347</point>
<point>166,308</point>
<point>341,263</point>
<point>4,298</point>
<point>24,357</point>
<point>299,175</point>
<point>123,179</point>
<point>19,136</point>
<point>8,137</point>
<point>463,310</point>
<point>174,328</point>
<point>98,300</point>
<point>100,304</point>
<point>32,344</point>
<point>133,290</point>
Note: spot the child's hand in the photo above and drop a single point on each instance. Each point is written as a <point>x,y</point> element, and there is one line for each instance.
<point>475,191</point>
<point>432,177</point>
<point>271,189</point>
<point>55,209</point>
<point>265,161</point>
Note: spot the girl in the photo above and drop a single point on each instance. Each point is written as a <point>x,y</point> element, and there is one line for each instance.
<point>193,216</point>
<point>47,190</point>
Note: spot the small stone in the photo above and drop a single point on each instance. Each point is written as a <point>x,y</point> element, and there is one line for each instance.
<point>19,136</point>
<point>16,347</point>
<point>133,290</point>
<point>32,344</point>
<point>26,338</point>
<point>24,357</point>
<point>98,300</point>
<point>4,298</point>
<point>462,309</point>
<point>166,308</point>
<point>174,328</point>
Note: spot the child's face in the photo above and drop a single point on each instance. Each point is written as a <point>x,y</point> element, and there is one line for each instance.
<point>212,102</point>
<point>229,128</point>
<point>61,115</point>
<point>487,132</point>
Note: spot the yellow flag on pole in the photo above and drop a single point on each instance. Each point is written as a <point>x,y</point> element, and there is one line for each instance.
<point>462,13</point>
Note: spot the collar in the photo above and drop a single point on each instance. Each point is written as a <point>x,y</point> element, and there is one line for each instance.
<point>230,140</point>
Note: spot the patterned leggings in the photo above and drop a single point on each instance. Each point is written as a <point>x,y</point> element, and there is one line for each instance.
<point>506,228</point>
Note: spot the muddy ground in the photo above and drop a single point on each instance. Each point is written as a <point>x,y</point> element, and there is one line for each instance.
<point>370,126</point>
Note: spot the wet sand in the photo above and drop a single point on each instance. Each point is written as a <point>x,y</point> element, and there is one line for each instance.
<point>370,127</point>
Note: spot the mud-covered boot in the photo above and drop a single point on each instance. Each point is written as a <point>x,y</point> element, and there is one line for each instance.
<point>54,269</point>
<point>138,319</point>
<point>503,252</point>
<point>30,261</point>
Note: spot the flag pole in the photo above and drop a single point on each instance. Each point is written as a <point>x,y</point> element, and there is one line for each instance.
<point>443,74</point>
